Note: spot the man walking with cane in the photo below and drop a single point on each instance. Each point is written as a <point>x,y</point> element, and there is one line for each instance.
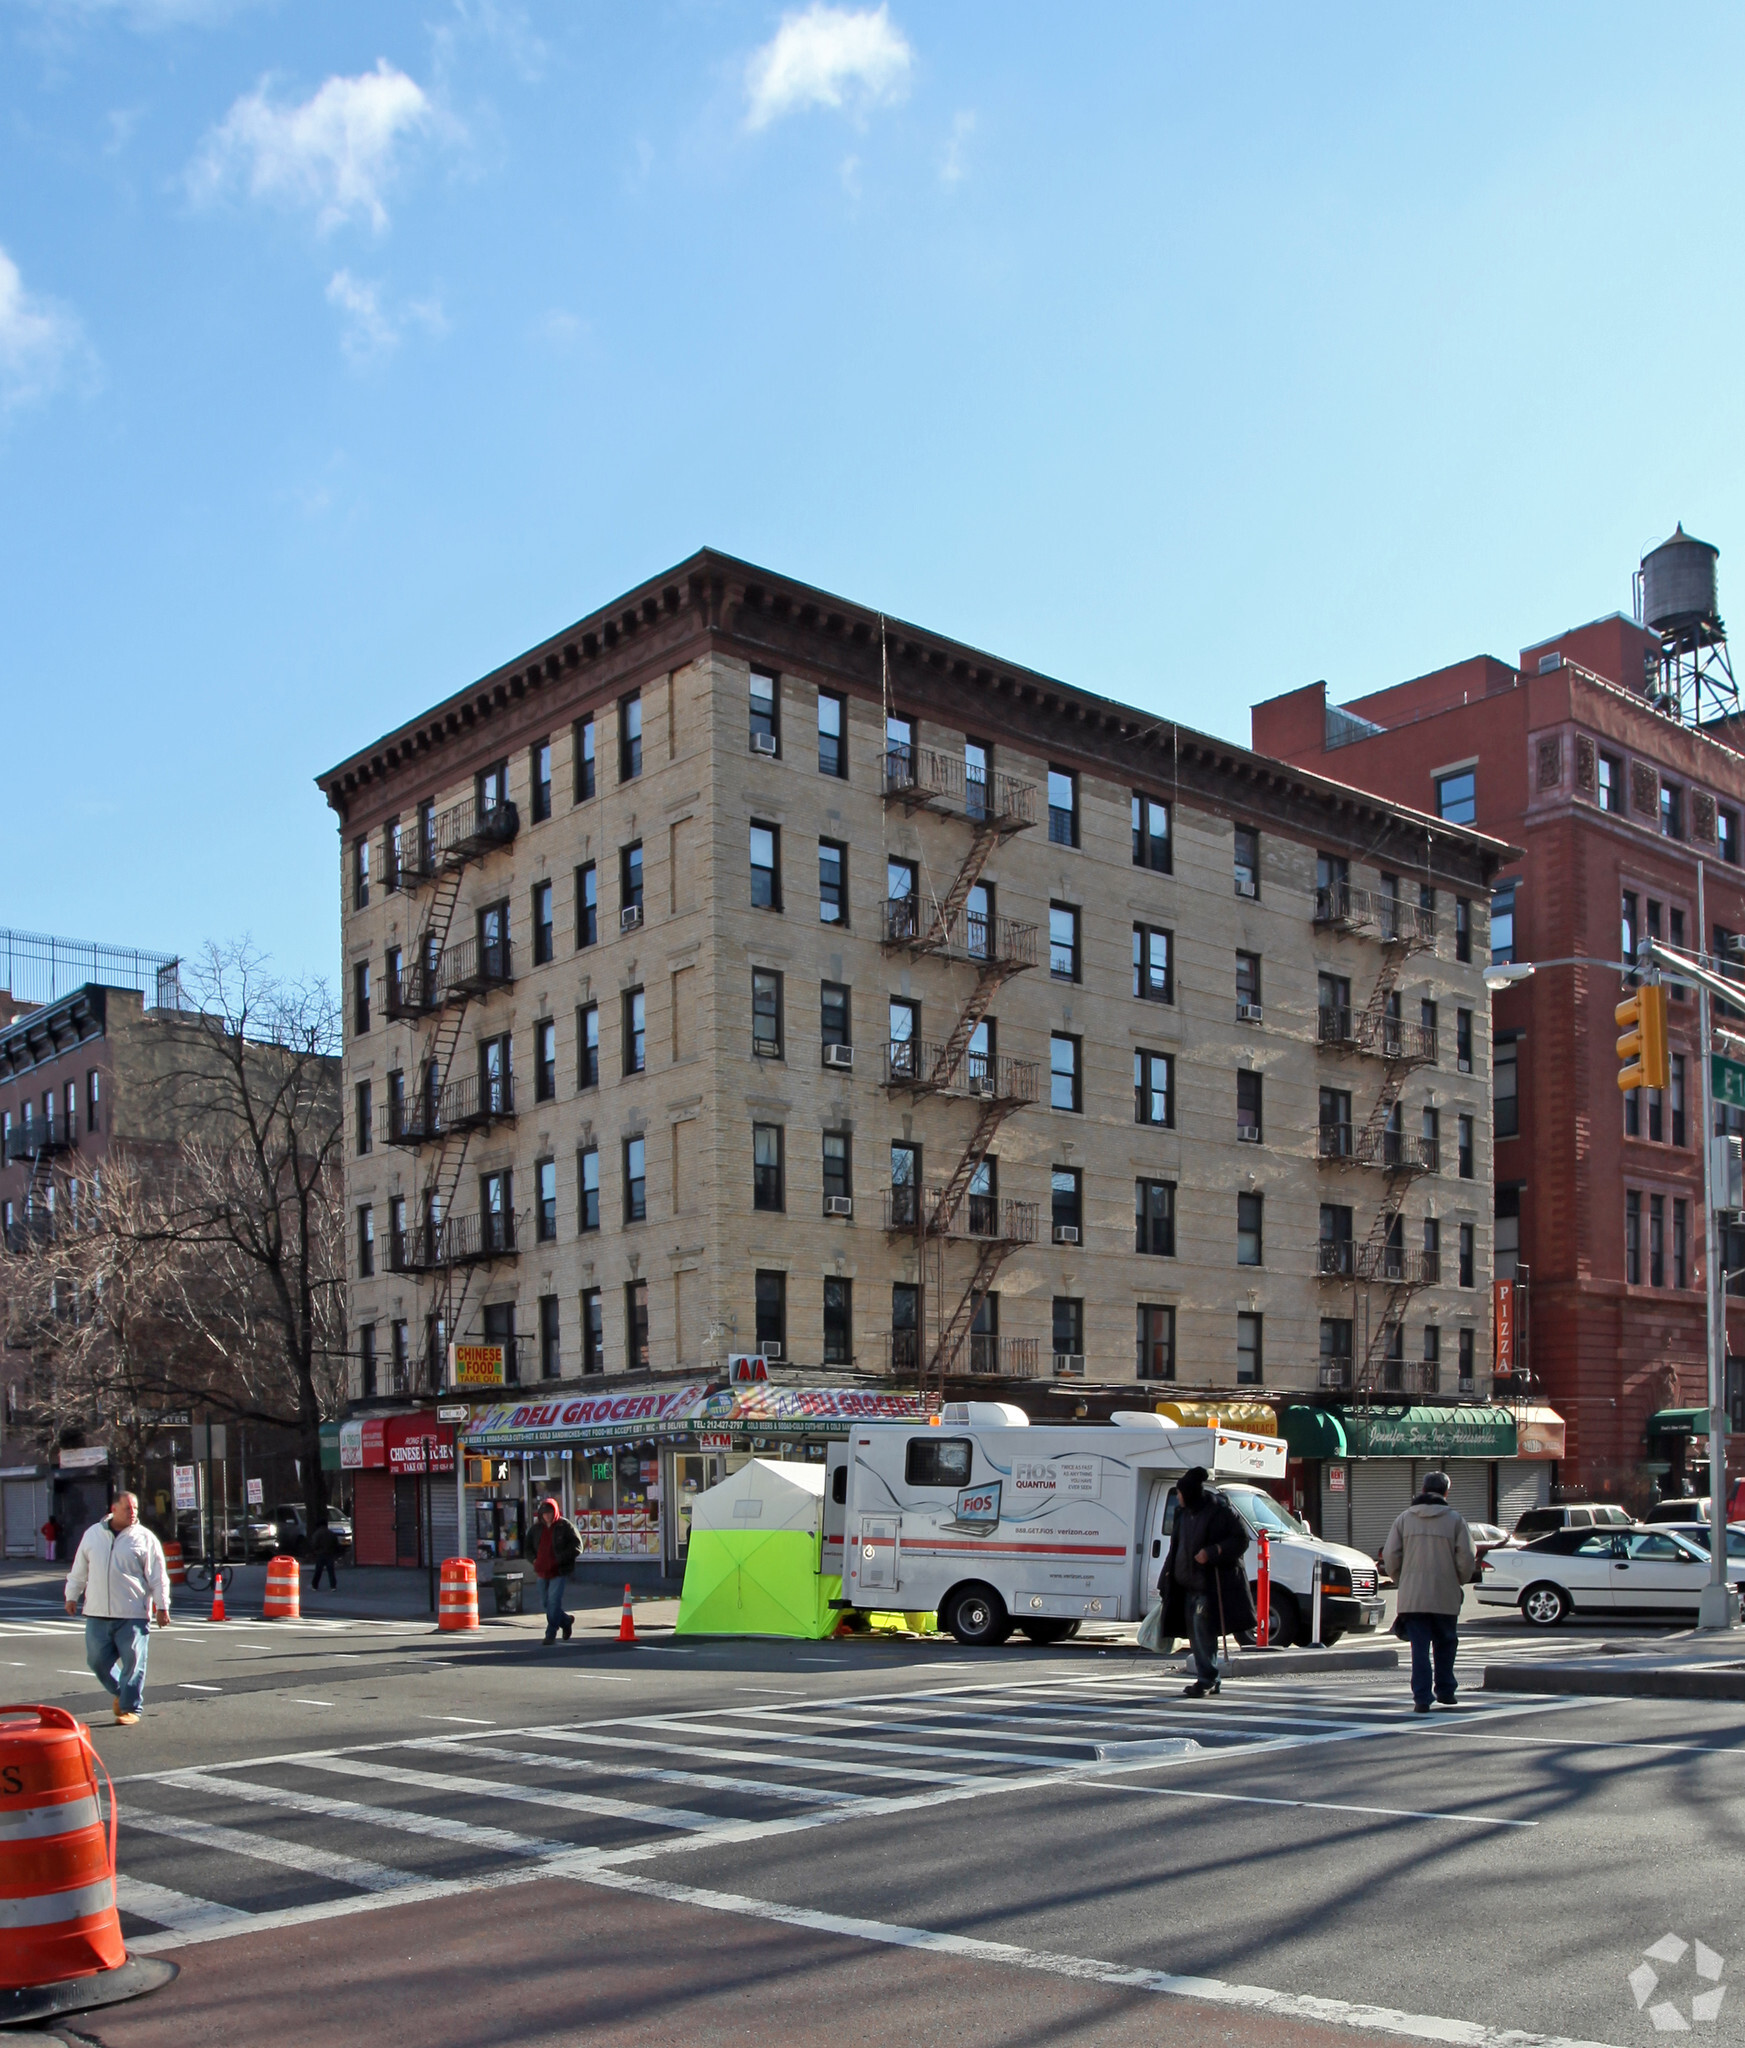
<point>121,1576</point>
<point>1203,1585</point>
<point>1430,1558</point>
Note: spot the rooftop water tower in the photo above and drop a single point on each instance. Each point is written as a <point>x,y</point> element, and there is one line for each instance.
<point>1677,600</point>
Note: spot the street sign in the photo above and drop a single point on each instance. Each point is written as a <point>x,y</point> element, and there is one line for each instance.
<point>169,1418</point>
<point>87,1460</point>
<point>187,1499</point>
<point>454,1414</point>
<point>210,1441</point>
<point>1728,1077</point>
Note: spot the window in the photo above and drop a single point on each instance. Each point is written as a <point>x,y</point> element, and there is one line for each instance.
<point>1671,810</point>
<point>978,920</point>
<point>1063,807</point>
<point>1432,1357</point>
<point>832,882</point>
<point>366,1241</point>
<point>766,711</point>
<point>1675,939</point>
<point>394,989</point>
<point>766,878</point>
<point>1155,1341</point>
<point>1151,972</point>
<point>905,1186</point>
<point>493,930</point>
<point>1429,1039</point>
<point>1248,1121</point>
<point>1503,924</point>
<point>400,1357</point>
<point>636,1325</point>
<point>1467,1277</point>
<point>550,1357</point>
<point>1466,1366</point>
<point>393,856</point>
<point>630,876</point>
<point>1335,1123</point>
<point>1462,928</point>
<point>1680,1243</point>
<point>541,764</point>
<point>363,1118</point>
<point>838,1322</point>
<point>838,1165</point>
<point>545,1181</point>
<point>1249,1236</point>
<point>1154,1218</point>
<point>1335,1257</point>
<point>427,837</point>
<point>1677,1094</point>
<point>582,749</point>
<point>1153,1089</point>
<point>629,737</point>
<point>1332,886</point>
<point>766,1014</point>
<point>542,941</point>
<point>766,1167</point>
<point>1335,1351</point>
<point>1433,1251</point>
<point>904,1053</point>
<point>593,1331</point>
<point>1063,942</point>
<point>1247,983</point>
<point>497,1212</point>
<point>366,1352</point>
<point>545,1060</point>
<point>1250,1358</point>
<point>772,1314</point>
<point>1151,847</point>
<point>496,1082</point>
<point>1508,1231</point>
<point>1069,1327</point>
<point>937,1461</point>
<point>1063,1071</point>
<point>1247,861</point>
<point>1066,1186</point>
<point>587,906</point>
<point>1463,1145</point>
<point>588,1046</point>
<point>832,736</point>
<point>1505,1087</point>
<point>360,996</point>
<point>1457,797</point>
<point>635,1180</point>
<point>1656,1115</point>
<point>833,1020</point>
<point>1727,835</point>
<point>899,752</point>
<point>588,1184</point>
<point>1657,1240</point>
<point>1628,925</point>
<point>635,1032</point>
<point>397,1234</point>
<point>1611,773</point>
<point>360,874</point>
<point>1463,1040</point>
<point>93,1106</point>
<point>975,781</point>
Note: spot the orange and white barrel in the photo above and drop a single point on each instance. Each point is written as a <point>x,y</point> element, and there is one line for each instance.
<point>458,1600</point>
<point>284,1599</point>
<point>57,1856</point>
<point>173,1558</point>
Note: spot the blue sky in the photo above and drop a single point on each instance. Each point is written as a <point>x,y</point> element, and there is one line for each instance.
<point>347,349</point>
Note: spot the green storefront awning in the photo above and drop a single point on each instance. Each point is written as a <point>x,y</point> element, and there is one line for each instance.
<point>1312,1432</point>
<point>330,1447</point>
<point>1425,1432</point>
<point>1681,1422</point>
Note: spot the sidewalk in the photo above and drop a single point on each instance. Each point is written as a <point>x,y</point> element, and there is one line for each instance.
<point>1686,1666</point>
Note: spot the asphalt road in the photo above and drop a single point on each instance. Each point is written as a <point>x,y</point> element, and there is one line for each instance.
<point>350,1830</point>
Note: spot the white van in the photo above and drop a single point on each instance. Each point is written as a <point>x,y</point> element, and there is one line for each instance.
<point>996,1523</point>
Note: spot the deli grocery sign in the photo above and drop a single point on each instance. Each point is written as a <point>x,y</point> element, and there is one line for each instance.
<point>596,1415</point>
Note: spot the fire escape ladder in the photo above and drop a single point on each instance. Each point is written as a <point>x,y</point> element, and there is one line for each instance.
<point>988,984</point>
<point>981,1141</point>
<point>950,907</point>
<point>1392,1313</point>
<point>435,1073</point>
<point>956,1331</point>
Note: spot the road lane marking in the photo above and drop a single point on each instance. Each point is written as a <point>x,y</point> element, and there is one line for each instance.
<point>327,1909</point>
<point>473,1720</point>
<point>436,1825</point>
<point>654,1773</point>
<point>712,1754</point>
<point>1337,2012</point>
<point>368,1876</point>
<point>497,1788</point>
<point>311,1703</point>
<point>188,1685</point>
<point>181,1911</point>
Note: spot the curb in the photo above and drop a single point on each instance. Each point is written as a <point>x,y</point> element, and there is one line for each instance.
<point>1253,1663</point>
<point>1641,1685</point>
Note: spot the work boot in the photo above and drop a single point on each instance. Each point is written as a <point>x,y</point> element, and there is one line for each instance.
<point>125,1720</point>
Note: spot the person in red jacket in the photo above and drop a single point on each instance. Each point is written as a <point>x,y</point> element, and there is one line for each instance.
<point>553,1561</point>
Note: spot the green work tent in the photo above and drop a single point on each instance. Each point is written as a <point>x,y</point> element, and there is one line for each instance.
<point>752,1565</point>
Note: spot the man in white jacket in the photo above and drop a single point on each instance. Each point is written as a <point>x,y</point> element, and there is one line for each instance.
<point>121,1576</point>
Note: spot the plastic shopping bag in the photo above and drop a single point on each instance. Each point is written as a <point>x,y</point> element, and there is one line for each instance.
<point>1151,1629</point>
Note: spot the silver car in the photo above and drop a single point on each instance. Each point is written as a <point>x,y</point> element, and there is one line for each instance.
<point>1647,1573</point>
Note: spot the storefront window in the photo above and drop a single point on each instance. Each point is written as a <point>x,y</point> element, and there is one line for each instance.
<point>617,1492</point>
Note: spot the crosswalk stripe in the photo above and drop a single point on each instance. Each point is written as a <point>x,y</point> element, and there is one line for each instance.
<point>833,1742</point>
<point>181,1911</point>
<point>437,1826</point>
<point>653,1773</point>
<point>531,1795</point>
<point>837,1766</point>
<point>354,1870</point>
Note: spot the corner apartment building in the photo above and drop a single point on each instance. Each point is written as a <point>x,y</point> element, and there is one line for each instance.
<point>741,971</point>
<point>1629,820</point>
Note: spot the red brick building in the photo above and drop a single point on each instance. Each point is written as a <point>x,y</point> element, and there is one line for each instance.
<point>1630,821</point>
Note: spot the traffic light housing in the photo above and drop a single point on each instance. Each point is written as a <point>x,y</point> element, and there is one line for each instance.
<point>1642,1048</point>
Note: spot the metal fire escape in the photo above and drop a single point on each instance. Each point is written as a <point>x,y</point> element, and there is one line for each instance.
<point>945,928</point>
<point>443,1110</point>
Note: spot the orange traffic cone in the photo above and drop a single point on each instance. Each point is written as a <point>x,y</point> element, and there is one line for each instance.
<point>626,1624</point>
<point>218,1613</point>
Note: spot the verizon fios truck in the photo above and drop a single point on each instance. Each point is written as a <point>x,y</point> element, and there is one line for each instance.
<point>995,1523</point>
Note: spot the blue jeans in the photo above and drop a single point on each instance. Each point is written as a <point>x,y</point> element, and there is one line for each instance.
<point>116,1652</point>
<point>555,1617</point>
<point>1434,1638</point>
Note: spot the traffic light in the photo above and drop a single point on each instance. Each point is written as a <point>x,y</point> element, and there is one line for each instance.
<point>1643,1045</point>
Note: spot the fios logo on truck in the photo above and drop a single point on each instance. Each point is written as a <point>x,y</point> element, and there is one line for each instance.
<point>978,1507</point>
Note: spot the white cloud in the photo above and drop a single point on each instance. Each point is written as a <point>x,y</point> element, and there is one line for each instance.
<point>336,152</point>
<point>952,167</point>
<point>821,56</point>
<point>38,340</point>
<point>371,331</point>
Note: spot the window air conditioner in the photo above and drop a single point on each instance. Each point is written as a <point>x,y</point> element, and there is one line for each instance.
<point>1465,1066</point>
<point>981,1084</point>
<point>629,920</point>
<point>839,1205</point>
<point>771,1350</point>
<point>1244,887</point>
<point>1248,1013</point>
<point>763,743</point>
<point>1069,1365</point>
<point>1246,1134</point>
<point>839,1056</point>
<point>1066,1233</point>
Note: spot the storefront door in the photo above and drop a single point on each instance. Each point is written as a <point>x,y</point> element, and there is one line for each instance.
<point>692,1473</point>
<point>407,1548</point>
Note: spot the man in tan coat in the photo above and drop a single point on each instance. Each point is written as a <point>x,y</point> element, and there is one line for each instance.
<point>1430,1558</point>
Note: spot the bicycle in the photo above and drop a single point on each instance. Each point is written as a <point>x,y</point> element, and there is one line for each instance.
<point>199,1573</point>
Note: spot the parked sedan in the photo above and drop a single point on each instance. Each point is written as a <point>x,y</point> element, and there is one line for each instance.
<point>1649,1573</point>
<point>1486,1536</point>
<point>1698,1533</point>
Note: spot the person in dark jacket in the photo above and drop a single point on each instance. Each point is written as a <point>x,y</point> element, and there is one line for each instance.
<point>324,1547</point>
<point>553,1561</point>
<point>1203,1584</point>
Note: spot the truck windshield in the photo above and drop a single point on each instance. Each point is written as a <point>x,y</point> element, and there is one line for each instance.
<point>1261,1511</point>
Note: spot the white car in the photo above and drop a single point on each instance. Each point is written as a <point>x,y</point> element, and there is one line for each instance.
<point>1649,1573</point>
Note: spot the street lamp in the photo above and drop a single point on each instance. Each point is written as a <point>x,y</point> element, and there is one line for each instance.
<point>1503,974</point>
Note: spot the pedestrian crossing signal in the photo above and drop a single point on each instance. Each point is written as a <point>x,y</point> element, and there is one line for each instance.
<point>1642,1048</point>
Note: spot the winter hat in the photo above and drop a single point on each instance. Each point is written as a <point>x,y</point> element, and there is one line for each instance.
<point>1436,1482</point>
<point>1192,1484</point>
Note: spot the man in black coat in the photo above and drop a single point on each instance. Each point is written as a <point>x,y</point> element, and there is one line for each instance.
<point>1203,1584</point>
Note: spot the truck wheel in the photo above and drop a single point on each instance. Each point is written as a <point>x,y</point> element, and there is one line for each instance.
<point>1048,1631</point>
<point>1544,1606</point>
<point>977,1616</point>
